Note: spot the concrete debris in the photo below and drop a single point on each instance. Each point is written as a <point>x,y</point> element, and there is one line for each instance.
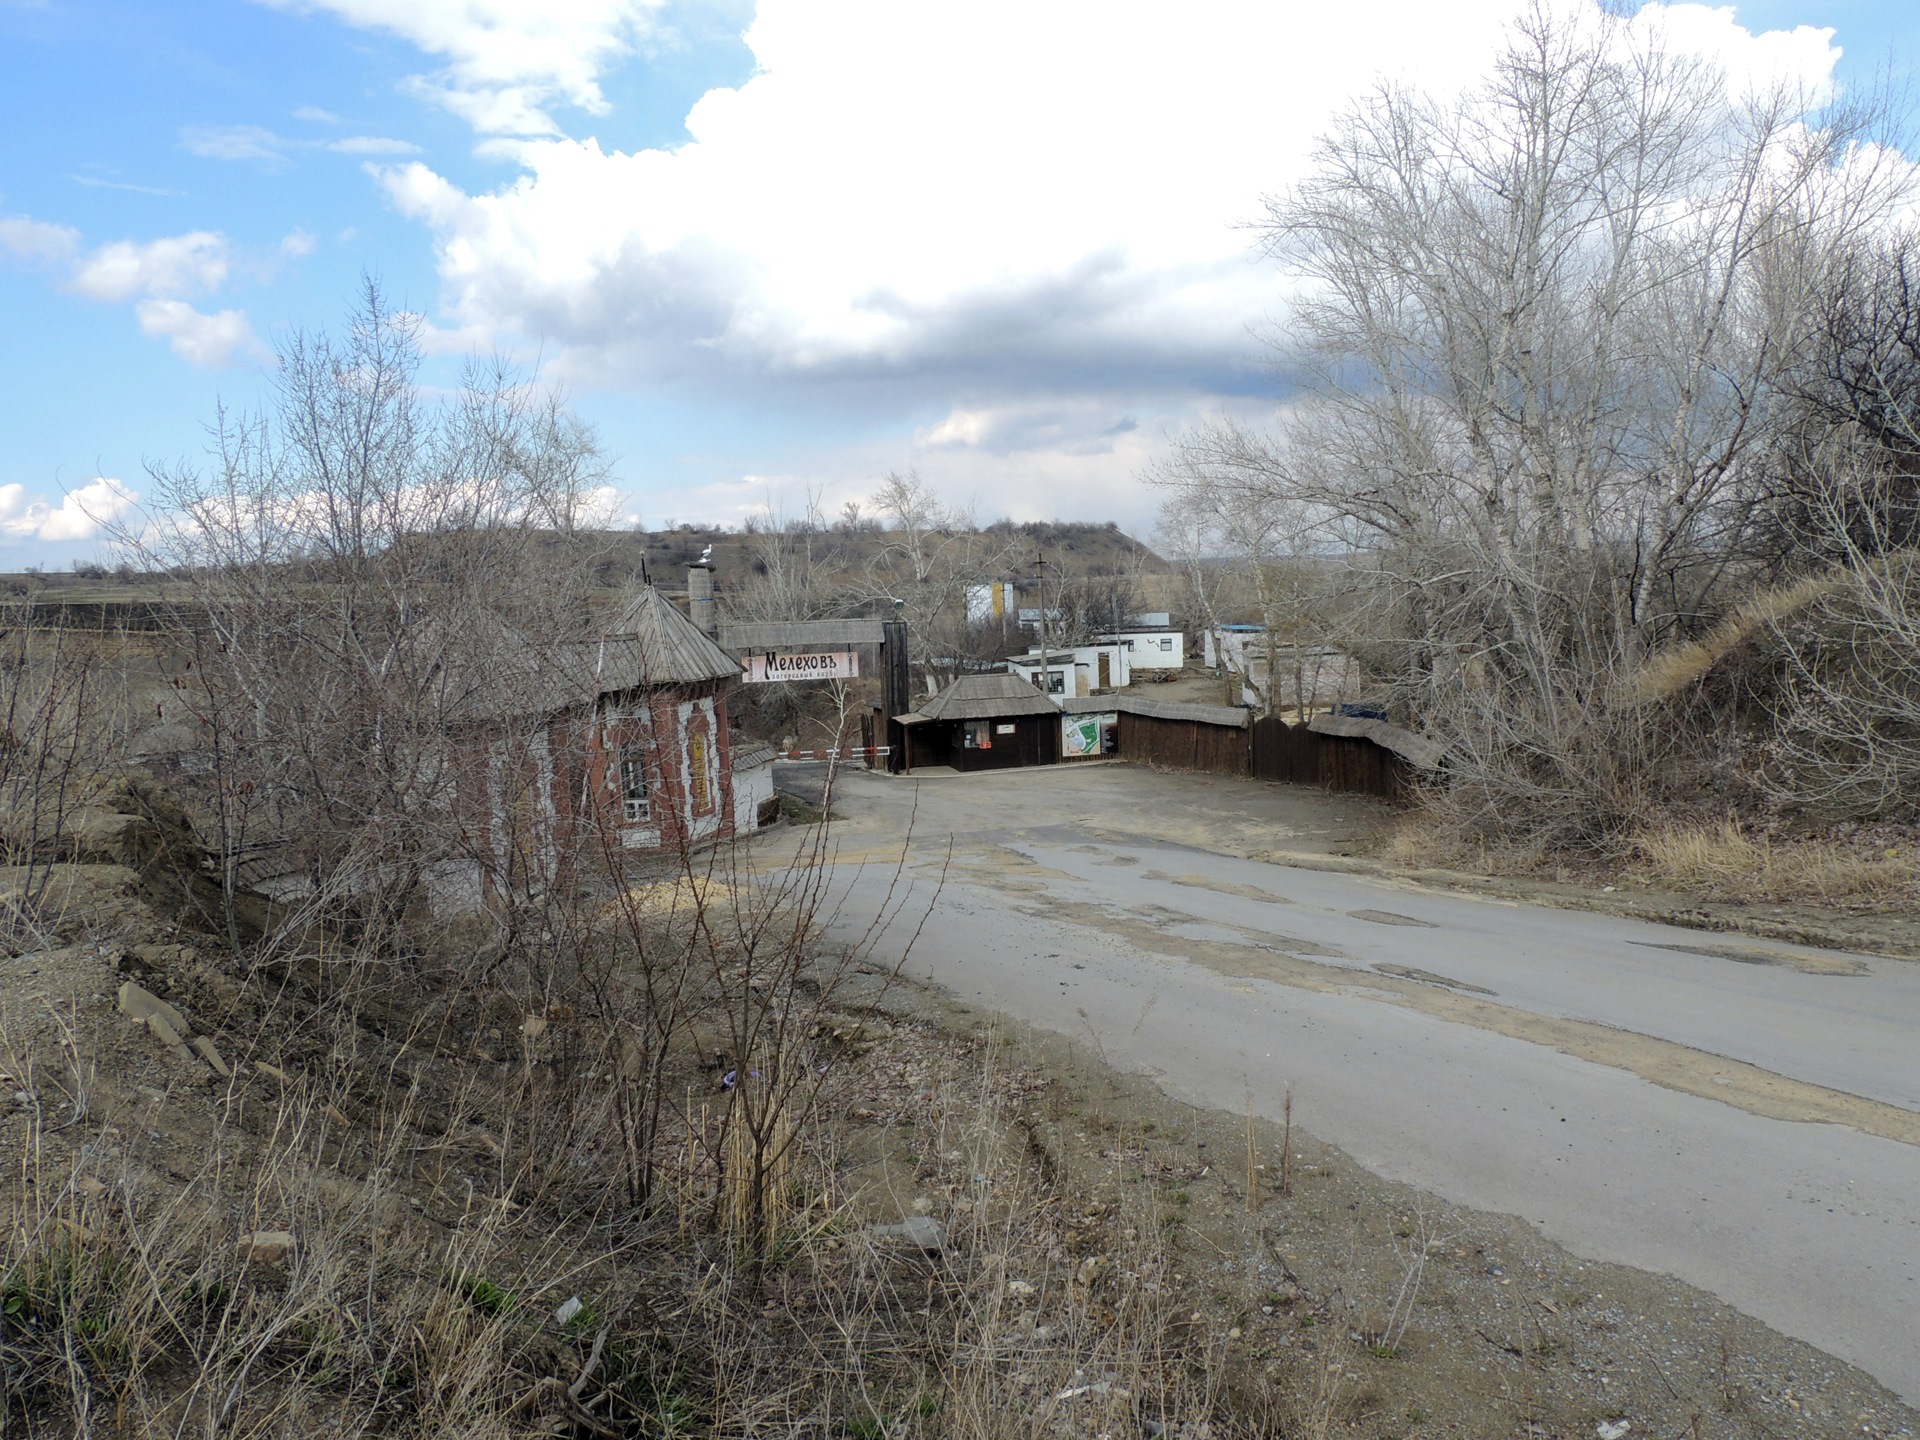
<point>921,1231</point>
<point>269,1247</point>
<point>139,1003</point>
<point>164,1031</point>
<point>207,1052</point>
<point>1099,1387</point>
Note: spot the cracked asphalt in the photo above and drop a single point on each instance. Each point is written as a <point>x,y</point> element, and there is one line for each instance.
<point>1741,1114</point>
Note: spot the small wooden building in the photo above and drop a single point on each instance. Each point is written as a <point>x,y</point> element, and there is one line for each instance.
<point>983,722</point>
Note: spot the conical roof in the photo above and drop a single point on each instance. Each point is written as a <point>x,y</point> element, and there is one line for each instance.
<point>649,642</point>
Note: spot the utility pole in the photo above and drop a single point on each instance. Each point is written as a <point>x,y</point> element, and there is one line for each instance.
<point>896,688</point>
<point>1040,583</point>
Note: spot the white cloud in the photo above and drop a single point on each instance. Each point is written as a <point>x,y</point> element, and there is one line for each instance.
<point>215,342</point>
<point>297,244</point>
<point>192,264</point>
<point>235,142</point>
<point>314,115</point>
<point>373,145</point>
<point>1014,226</point>
<point>37,242</point>
<point>275,152</point>
<point>159,277</point>
<point>601,507</point>
<point>507,61</point>
<point>80,515</point>
<point>961,190</point>
<point>96,182</point>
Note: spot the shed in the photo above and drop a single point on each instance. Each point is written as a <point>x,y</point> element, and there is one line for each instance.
<point>754,802</point>
<point>983,722</point>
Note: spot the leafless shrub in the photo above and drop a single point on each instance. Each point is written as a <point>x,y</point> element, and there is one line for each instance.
<point>362,571</point>
<point>1847,717</point>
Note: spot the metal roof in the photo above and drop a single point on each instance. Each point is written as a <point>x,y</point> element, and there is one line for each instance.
<point>986,697</point>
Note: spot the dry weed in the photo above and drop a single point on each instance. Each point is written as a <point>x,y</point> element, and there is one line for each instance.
<point>1738,866</point>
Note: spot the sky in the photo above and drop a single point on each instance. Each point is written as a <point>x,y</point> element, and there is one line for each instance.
<point>771,249</point>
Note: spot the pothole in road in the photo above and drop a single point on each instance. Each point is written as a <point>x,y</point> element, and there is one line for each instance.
<point>1223,887</point>
<point>1742,955</point>
<point>1427,977</point>
<point>1387,917</point>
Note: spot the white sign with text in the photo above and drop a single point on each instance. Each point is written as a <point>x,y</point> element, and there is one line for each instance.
<point>763,668</point>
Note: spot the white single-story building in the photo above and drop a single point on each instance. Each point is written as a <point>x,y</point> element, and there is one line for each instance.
<point>1072,671</point>
<point>1225,647</point>
<point>1309,676</point>
<point>1156,649</point>
<point>753,795</point>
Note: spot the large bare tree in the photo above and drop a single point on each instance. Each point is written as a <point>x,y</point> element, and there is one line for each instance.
<point>1539,328</point>
<point>367,570</point>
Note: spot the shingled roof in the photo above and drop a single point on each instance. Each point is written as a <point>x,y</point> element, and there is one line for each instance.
<point>983,697</point>
<point>651,643</point>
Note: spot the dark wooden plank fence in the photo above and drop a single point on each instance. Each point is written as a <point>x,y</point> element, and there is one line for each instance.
<point>1184,744</point>
<point>1295,754</point>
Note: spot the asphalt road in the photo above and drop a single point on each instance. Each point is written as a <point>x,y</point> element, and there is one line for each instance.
<point>1741,1114</point>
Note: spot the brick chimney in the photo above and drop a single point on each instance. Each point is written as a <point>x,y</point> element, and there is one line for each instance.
<point>700,596</point>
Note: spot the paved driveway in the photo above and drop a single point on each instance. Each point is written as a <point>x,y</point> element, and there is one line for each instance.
<point>1741,1114</point>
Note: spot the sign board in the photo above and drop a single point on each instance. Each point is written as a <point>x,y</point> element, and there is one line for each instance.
<point>1081,736</point>
<point>764,667</point>
<point>1005,729</point>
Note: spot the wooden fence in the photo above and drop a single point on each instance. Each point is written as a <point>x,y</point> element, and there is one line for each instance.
<point>1181,744</point>
<point>1294,753</point>
<point>1218,740</point>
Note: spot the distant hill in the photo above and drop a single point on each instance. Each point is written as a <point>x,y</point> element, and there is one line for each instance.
<point>624,556</point>
<point>1084,547</point>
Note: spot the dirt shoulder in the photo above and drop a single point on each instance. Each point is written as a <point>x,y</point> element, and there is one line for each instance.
<point>1369,1308</point>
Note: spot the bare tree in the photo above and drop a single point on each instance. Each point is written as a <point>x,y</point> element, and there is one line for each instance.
<point>362,567</point>
<point>1541,328</point>
<point>933,553</point>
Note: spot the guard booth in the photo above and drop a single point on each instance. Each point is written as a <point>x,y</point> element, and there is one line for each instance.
<point>983,722</point>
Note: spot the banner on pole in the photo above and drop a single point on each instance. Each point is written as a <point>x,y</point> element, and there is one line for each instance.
<point>764,668</point>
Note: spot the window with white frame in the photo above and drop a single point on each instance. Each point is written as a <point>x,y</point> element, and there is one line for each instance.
<point>1166,642</point>
<point>634,804</point>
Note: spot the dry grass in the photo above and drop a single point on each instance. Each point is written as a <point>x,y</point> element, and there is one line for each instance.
<point>450,1178</point>
<point>1737,866</point>
<point>1675,668</point>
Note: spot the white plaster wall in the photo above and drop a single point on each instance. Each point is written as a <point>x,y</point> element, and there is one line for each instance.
<point>1146,653</point>
<point>751,789</point>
